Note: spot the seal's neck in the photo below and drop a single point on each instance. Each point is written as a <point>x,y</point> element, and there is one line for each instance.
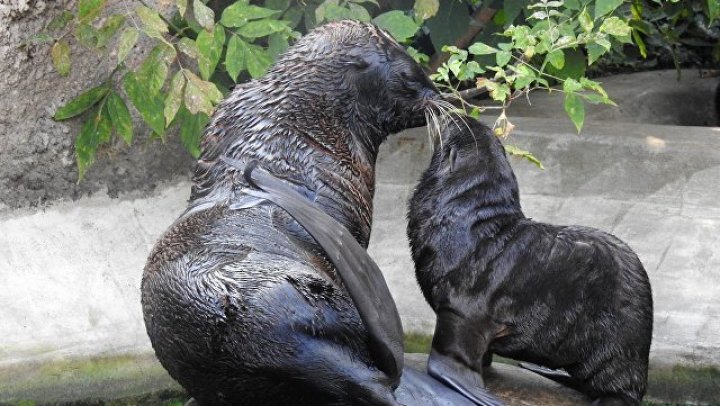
<point>477,181</point>
<point>302,135</point>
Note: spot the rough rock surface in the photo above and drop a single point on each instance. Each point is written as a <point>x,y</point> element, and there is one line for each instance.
<point>37,153</point>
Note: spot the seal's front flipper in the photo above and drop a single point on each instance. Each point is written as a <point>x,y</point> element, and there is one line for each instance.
<point>360,275</point>
<point>460,378</point>
<point>558,375</point>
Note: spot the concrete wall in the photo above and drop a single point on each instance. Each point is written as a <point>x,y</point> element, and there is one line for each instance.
<point>72,270</point>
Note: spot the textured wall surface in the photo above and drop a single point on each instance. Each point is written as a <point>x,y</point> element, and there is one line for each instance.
<point>36,153</point>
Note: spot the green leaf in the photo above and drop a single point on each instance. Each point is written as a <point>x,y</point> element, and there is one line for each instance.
<point>60,54</point>
<point>573,4</point>
<point>395,22</point>
<point>479,48</point>
<point>503,57</point>
<point>153,71</point>
<point>208,88</point>
<point>210,45</point>
<point>204,15</point>
<point>450,22</point>
<point>615,27</point>
<point>571,86</point>
<point>39,38</point>
<point>575,109</point>
<point>713,10</point>
<point>593,85</point>
<point>86,34</point>
<point>150,106</point>
<point>188,47</point>
<point>280,5</point>
<point>640,43</point>
<point>595,51</point>
<point>515,151</point>
<point>524,77</point>
<point>575,65</point>
<point>191,131</point>
<point>120,117</point>
<point>111,26</point>
<point>127,41</point>
<point>556,58</point>
<point>498,91</point>
<point>89,9</point>
<point>60,21</point>
<point>595,98</point>
<point>196,100</point>
<point>277,44</point>
<point>586,22</point>
<point>426,8</point>
<point>322,8</point>
<point>359,13</point>
<point>174,98</point>
<point>258,60</point>
<point>235,57</point>
<point>238,14</point>
<point>261,28</point>
<point>95,132</point>
<point>603,7</point>
<point>153,24</point>
<point>294,14</point>
<point>81,103</point>
<point>182,7</point>
<point>418,56</point>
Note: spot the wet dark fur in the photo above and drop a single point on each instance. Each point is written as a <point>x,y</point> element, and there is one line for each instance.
<point>241,305</point>
<point>561,296</point>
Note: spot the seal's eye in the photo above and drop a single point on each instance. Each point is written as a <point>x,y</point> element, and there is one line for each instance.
<point>408,77</point>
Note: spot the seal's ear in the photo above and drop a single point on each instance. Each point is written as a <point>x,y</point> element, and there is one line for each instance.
<point>356,62</point>
<point>452,158</point>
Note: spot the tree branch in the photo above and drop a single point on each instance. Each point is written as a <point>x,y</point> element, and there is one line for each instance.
<point>479,20</point>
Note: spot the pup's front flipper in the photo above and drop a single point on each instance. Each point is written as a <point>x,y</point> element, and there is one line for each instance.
<point>457,351</point>
<point>558,375</point>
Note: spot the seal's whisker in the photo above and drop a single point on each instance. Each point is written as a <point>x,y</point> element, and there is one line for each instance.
<point>437,131</point>
<point>452,113</point>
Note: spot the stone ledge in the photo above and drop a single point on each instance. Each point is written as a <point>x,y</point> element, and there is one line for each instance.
<point>141,380</point>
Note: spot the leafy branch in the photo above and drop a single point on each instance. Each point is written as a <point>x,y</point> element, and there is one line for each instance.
<point>198,52</point>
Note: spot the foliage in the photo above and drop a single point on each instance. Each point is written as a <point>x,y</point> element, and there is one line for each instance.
<point>672,33</point>
<point>553,45</point>
<point>201,48</point>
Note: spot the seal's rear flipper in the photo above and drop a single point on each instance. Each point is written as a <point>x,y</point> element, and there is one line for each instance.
<point>417,388</point>
<point>460,378</point>
<point>360,275</point>
<point>558,375</point>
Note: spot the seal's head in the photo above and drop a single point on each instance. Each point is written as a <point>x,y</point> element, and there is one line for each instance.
<point>361,72</point>
<point>331,98</point>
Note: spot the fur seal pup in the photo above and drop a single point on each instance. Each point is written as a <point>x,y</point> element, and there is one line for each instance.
<point>242,304</point>
<point>565,297</point>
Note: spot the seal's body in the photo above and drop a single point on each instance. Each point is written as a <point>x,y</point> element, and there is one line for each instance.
<point>564,297</point>
<point>242,305</point>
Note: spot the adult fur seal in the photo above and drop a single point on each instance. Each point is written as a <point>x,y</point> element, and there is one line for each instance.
<point>242,304</point>
<point>560,296</point>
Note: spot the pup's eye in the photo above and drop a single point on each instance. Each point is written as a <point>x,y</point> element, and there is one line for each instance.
<point>408,77</point>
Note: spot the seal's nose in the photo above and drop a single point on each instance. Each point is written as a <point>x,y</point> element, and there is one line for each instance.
<point>431,94</point>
